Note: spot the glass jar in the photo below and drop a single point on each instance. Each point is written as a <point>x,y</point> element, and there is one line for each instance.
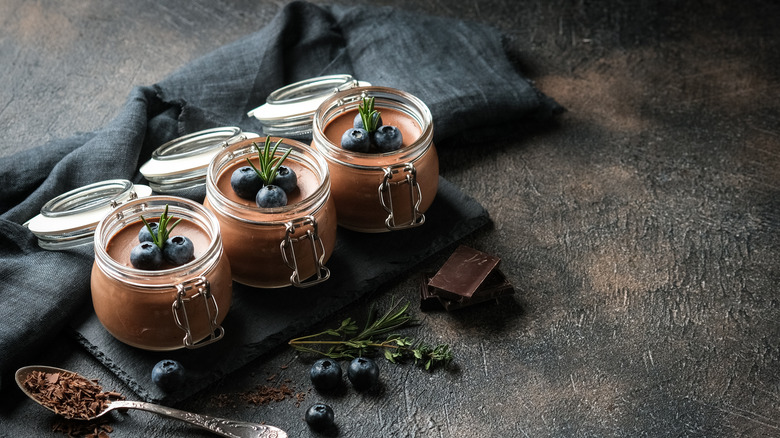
<point>378,192</point>
<point>280,246</point>
<point>166,309</point>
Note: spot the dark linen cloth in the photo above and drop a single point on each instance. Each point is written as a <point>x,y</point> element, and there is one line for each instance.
<point>458,69</point>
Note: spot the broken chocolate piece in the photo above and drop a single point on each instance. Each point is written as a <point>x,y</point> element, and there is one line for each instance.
<point>463,273</point>
<point>495,286</point>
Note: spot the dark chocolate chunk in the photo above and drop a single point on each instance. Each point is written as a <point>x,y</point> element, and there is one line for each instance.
<point>463,273</point>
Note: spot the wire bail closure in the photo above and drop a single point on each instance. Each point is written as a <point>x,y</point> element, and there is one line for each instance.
<point>318,250</point>
<point>415,195</point>
<point>201,284</point>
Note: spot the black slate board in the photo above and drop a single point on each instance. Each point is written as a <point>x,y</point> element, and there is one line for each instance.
<point>262,319</point>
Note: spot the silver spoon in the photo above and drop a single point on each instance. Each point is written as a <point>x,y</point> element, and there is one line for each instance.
<point>219,426</point>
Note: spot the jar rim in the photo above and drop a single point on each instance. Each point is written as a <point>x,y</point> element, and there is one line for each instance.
<point>384,96</point>
<point>300,152</point>
<point>131,212</point>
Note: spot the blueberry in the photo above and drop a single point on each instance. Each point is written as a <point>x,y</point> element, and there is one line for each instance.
<point>286,179</point>
<point>363,372</point>
<point>358,122</point>
<point>388,138</point>
<point>325,374</point>
<point>246,182</point>
<point>144,235</point>
<point>147,256</point>
<point>178,250</point>
<point>356,140</point>
<point>319,416</point>
<point>271,196</point>
<point>168,374</point>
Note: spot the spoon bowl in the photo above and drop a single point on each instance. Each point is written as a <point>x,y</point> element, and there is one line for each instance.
<point>219,426</point>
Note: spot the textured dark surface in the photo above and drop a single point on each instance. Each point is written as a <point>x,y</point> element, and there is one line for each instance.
<point>641,232</point>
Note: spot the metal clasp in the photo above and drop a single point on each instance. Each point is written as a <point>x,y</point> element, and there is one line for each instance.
<point>415,196</point>
<point>317,249</point>
<point>201,284</point>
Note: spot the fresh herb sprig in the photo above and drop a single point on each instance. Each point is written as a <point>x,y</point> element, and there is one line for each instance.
<point>348,341</point>
<point>368,114</point>
<point>269,163</point>
<point>163,231</point>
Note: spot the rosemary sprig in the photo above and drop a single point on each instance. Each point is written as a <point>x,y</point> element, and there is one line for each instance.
<point>368,114</point>
<point>163,231</point>
<point>269,163</point>
<point>348,341</point>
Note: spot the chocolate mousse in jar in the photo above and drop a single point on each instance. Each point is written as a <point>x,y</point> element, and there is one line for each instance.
<point>278,245</point>
<point>379,190</point>
<point>176,301</point>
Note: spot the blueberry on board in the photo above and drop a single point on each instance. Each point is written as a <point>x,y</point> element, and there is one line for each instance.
<point>319,416</point>
<point>271,196</point>
<point>325,375</point>
<point>146,256</point>
<point>144,235</point>
<point>358,122</point>
<point>246,182</point>
<point>168,375</point>
<point>356,140</point>
<point>363,372</point>
<point>388,138</point>
<point>286,179</point>
<point>178,250</point>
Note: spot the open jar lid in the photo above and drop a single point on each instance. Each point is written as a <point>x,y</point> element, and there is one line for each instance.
<point>289,111</point>
<point>70,219</point>
<point>182,162</point>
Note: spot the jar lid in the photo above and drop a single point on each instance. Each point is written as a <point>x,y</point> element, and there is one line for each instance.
<point>70,219</point>
<point>182,163</point>
<point>289,111</point>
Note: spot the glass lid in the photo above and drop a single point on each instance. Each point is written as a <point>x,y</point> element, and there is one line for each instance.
<point>70,219</point>
<point>182,163</point>
<point>289,111</point>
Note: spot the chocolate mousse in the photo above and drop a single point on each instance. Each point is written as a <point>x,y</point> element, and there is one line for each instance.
<point>380,191</point>
<point>135,306</point>
<point>278,246</point>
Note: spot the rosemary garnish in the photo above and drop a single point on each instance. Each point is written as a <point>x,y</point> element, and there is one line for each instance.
<point>368,114</point>
<point>269,164</point>
<point>163,231</point>
<point>346,341</point>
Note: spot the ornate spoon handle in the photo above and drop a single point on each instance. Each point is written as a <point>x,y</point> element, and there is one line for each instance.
<point>219,426</point>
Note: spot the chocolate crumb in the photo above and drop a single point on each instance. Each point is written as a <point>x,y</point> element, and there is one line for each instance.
<point>266,394</point>
<point>69,394</point>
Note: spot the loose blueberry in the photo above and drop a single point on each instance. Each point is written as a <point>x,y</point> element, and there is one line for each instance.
<point>356,140</point>
<point>319,416</point>
<point>178,250</point>
<point>286,179</point>
<point>147,256</point>
<point>363,372</point>
<point>168,374</point>
<point>246,182</point>
<point>144,235</point>
<point>325,375</point>
<point>358,122</point>
<point>271,196</point>
<point>388,138</point>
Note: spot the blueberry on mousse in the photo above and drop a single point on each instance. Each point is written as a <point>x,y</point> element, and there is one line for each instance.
<point>157,247</point>
<point>271,196</point>
<point>246,182</point>
<point>368,133</point>
<point>356,140</point>
<point>271,181</point>
<point>387,138</point>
